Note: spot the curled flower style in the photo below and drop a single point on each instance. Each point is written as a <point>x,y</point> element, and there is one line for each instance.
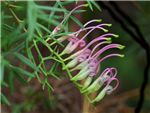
<point>105,79</point>
<point>106,75</point>
<point>86,58</point>
<point>108,89</point>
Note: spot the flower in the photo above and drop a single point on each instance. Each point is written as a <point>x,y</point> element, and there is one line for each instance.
<point>75,42</point>
<point>106,78</point>
<point>88,62</point>
<point>107,75</point>
<point>108,89</point>
<point>89,65</point>
<point>86,58</point>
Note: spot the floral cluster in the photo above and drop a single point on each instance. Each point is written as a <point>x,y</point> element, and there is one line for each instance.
<point>85,58</point>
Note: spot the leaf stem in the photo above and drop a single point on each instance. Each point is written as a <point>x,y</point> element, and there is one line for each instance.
<point>17,19</point>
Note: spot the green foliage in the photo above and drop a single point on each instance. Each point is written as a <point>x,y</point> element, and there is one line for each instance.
<point>26,27</point>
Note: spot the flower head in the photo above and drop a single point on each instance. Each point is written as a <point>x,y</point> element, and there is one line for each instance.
<point>86,58</point>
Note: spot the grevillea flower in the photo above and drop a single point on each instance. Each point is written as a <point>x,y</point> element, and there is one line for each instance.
<point>107,75</point>
<point>86,58</point>
<point>75,42</point>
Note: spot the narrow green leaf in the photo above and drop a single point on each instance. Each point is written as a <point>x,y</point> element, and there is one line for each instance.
<point>37,49</point>
<point>48,84</point>
<point>44,28</point>
<point>20,70</point>
<point>66,2</point>
<point>79,11</point>
<point>7,27</point>
<point>1,71</point>
<point>51,58</point>
<point>50,8</point>
<point>19,47</point>
<point>25,60</point>
<point>18,37</point>
<point>4,100</point>
<point>53,67</point>
<point>4,84</point>
<point>20,78</point>
<point>52,14</point>
<point>45,18</point>
<point>90,5</point>
<point>32,17</point>
<point>76,20</point>
<point>11,82</point>
<point>44,42</point>
<point>55,76</point>
<point>30,55</point>
<point>96,5</point>
<point>39,32</point>
<point>6,39</point>
<point>60,4</point>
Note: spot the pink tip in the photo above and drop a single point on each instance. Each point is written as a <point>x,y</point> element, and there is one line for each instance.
<point>113,79</point>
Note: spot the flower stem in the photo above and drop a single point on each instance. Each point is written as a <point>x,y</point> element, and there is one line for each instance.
<point>86,105</point>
